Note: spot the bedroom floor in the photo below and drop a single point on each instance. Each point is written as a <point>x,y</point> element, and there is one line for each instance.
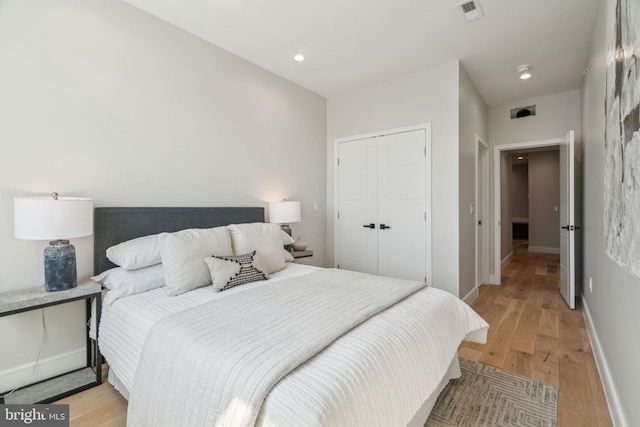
<point>533,333</point>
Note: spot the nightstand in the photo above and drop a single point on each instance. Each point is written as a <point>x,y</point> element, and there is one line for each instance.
<point>55,388</point>
<point>301,254</point>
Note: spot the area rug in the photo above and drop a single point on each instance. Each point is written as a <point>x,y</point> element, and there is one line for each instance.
<point>488,396</point>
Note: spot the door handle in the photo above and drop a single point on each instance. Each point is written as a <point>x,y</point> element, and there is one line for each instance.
<point>384,227</point>
<point>372,225</point>
<point>570,227</point>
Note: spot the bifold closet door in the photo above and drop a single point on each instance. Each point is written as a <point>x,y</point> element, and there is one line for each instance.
<point>358,206</point>
<point>382,205</point>
<point>402,205</point>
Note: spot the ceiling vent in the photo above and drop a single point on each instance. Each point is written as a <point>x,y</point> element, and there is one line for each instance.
<point>520,112</point>
<point>470,10</point>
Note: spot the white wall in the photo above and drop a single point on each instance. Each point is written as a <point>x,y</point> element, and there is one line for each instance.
<point>99,99</point>
<point>613,304</point>
<point>544,201</point>
<point>556,114</point>
<point>427,96</point>
<point>506,215</point>
<point>473,121</point>
<point>520,190</point>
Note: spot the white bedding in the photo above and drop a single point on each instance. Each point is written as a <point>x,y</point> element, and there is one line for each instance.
<point>379,373</point>
<point>222,358</point>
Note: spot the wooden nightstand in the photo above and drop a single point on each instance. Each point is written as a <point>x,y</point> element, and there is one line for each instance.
<point>301,254</point>
<point>55,388</point>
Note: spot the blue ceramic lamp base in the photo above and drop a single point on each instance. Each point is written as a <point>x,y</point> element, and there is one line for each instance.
<point>60,271</point>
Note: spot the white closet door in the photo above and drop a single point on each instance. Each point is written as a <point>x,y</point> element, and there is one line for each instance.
<point>357,204</point>
<point>402,205</point>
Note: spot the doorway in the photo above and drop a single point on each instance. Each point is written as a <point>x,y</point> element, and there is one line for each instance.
<point>534,198</point>
<point>566,206</point>
<point>501,166</point>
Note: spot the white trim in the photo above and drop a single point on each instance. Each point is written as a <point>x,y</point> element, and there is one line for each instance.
<point>497,149</point>
<point>543,250</point>
<point>428,239</point>
<point>615,410</point>
<point>492,280</point>
<point>471,296</point>
<point>426,126</point>
<point>20,376</point>
<point>505,261</point>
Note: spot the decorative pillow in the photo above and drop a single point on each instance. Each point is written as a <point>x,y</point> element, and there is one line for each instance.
<point>183,255</point>
<point>122,283</point>
<point>136,253</point>
<point>266,239</point>
<point>229,271</point>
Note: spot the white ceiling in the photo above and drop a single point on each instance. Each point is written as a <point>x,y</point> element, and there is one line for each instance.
<point>355,43</point>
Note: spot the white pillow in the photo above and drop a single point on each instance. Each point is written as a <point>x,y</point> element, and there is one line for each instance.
<point>136,253</point>
<point>122,283</point>
<point>229,271</point>
<point>288,257</point>
<point>286,239</point>
<point>183,255</point>
<point>267,239</point>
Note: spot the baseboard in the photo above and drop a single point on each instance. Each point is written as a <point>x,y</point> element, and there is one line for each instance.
<point>506,260</point>
<point>20,376</point>
<point>492,280</point>
<point>616,412</point>
<point>543,250</point>
<point>471,296</point>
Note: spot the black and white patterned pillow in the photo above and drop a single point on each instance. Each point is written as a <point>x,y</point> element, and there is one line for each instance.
<point>229,271</point>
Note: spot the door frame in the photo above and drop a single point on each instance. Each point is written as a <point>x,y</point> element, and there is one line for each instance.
<point>497,150</point>
<point>482,233</point>
<point>428,241</point>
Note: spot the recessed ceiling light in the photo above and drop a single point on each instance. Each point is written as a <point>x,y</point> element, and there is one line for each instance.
<point>520,157</point>
<point>524,71</point>
<point>299,57</point>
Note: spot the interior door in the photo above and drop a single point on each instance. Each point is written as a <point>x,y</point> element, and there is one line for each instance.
<point>567,220</point>
<point>401,174</point>
<point>381,205</point>
<point>357,220</point>
<point>481,227</point>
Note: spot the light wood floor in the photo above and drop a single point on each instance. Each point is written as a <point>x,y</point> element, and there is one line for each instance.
<point>532,333</point>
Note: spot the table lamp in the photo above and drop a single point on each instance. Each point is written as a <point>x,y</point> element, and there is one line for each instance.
<point>57,219</point>
<point>284,213</point>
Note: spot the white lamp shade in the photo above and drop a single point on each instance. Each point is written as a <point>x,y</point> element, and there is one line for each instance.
<point>46,218</point>
<point>284,212</point>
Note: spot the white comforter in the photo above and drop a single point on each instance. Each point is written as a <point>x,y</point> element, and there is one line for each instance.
<point>222,358</point>
<point>378,374</point>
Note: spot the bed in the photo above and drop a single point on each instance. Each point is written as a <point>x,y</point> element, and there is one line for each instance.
<point>377,351</point>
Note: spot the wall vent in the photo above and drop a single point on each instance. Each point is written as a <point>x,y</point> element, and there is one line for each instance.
<point>470,9</point>
<point>520,112</point>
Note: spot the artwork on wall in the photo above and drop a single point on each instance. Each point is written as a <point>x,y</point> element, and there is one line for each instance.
<point>622,136</point>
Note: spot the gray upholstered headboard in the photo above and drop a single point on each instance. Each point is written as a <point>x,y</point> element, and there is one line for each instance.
<point>116,225</point>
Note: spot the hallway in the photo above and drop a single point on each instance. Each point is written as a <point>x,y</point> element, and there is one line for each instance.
<point>533,333</point>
